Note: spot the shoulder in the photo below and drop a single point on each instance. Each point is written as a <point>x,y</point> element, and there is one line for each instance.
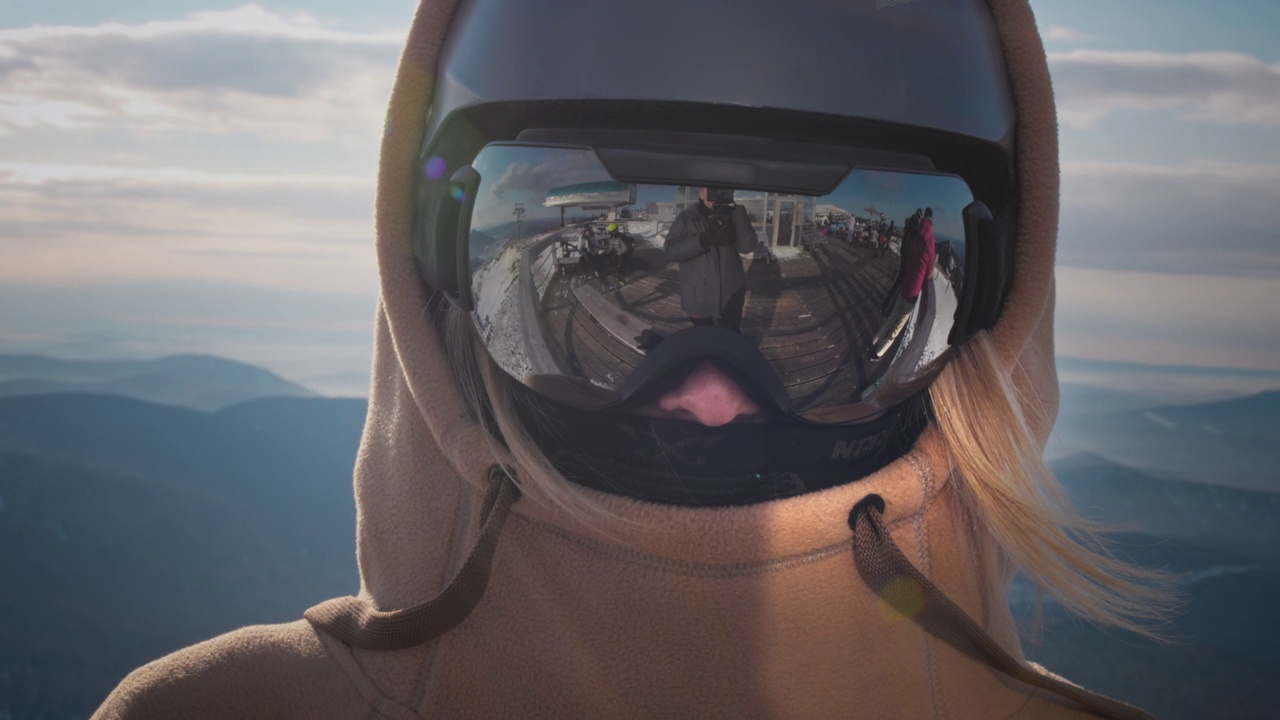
<point>685,223</point>
<point>262,670</point>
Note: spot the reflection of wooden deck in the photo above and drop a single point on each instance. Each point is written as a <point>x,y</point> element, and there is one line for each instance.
<point>811,316</point>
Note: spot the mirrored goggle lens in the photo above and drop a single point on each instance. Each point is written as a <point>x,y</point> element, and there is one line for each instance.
<point>578,277</point>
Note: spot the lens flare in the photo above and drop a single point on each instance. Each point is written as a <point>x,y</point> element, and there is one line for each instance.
<point>435,168</point>
<point>902,599</point>
<point>457,193</point>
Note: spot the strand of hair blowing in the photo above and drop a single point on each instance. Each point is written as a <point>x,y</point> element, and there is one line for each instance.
<point>1005,485</point>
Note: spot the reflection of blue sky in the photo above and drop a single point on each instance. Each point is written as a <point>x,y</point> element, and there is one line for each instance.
<point>510,175</point>
<point>898,195</point>
<point>524,174</point>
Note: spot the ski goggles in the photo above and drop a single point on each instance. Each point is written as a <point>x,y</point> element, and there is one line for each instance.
<point>835,286</point>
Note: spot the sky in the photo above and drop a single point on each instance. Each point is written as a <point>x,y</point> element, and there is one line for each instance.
<point>197,176</point>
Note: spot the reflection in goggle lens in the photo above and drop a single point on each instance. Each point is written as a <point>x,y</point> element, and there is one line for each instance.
<point>576,276</point>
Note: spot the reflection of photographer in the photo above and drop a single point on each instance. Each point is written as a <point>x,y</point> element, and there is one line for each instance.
<point>707,240</point>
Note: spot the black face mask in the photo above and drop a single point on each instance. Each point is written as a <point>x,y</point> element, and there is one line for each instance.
<point>677,462</point>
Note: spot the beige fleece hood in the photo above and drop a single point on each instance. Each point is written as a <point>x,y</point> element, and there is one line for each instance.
<point>419,426</point>
<point>753,611</point>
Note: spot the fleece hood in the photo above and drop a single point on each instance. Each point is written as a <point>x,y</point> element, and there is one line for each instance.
<point>419,429</point>
<point>876,598</point>
<point>751,610</point>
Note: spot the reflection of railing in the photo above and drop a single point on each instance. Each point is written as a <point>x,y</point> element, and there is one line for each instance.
<point>811,236</point>
<point>534,278</point>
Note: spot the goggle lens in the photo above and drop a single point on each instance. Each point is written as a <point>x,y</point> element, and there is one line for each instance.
<point>838,292</point>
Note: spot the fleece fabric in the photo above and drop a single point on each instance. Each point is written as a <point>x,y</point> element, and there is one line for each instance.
<point>753,611</point>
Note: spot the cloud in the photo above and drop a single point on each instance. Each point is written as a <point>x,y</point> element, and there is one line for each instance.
<point>69,226</point>
<point>1168,318</point>
<point>1064,34</point>
<point>218,72</point>
<point>526,176</point>
<point>1197,217</point>
<point>314,335</point>
<point>1226,88</point>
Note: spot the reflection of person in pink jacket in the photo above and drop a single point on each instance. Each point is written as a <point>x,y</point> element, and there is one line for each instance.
<point>918,258</point>
<point>918,253</point>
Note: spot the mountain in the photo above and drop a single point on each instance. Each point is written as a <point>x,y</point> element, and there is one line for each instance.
<point>1219,660</point>
<point>1081,399</point>
<point>1255,417</point>
<point>131,529</point>
<point>1232,442</point>
<point>201,382</point>
<point>1167,384</point>
<point>1207,515</point>
<point>1067,363</point>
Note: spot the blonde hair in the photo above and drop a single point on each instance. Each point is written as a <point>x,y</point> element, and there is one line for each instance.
<point>1010,493</point>
<point>1004,486</point>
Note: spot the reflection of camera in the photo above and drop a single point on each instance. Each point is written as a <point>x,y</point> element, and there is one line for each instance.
<point>720,197</point>
<point>720,230</point>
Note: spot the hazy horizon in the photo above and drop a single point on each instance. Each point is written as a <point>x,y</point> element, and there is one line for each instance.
<point>198,177</point>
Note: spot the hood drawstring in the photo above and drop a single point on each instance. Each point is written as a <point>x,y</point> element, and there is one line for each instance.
<point>888,572</point>
<point>881,564</point>
<point>357,623</point>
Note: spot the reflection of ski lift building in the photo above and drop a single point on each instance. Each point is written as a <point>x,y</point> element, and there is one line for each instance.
<point>606,195</point>
<point>779,219</point>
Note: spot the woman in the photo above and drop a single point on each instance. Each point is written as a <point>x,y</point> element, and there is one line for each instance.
<point>630,575</point>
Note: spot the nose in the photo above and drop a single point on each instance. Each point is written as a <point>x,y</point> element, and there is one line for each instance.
<point>708,396</point>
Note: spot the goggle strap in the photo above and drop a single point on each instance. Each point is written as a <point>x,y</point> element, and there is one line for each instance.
<point>442,233</point>
<point>987,271</point>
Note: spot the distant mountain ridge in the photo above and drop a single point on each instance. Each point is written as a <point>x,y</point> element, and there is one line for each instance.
<point>1232,442</point>
<point>201,382</point>
<point>1211,515</point>
<point>131,529</point>
<point>1070,363</point>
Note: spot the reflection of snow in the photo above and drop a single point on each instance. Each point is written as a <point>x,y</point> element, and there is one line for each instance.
<point>496,289</point>
<point>543,267</point>
<point>646,234</point>
<point>647,229</point>
<point>497,313</point>
<point>944,313</point>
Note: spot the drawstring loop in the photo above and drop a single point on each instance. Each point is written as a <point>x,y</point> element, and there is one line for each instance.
<point>357,623</point>
<point>891,576</point>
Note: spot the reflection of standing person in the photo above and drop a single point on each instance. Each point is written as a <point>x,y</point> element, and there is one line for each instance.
<point>882,240</point>
<point>620,246</point>
<point>707,240</point>
<point>910,227</point>
<point>594,250</point>
<point>917,266</point>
